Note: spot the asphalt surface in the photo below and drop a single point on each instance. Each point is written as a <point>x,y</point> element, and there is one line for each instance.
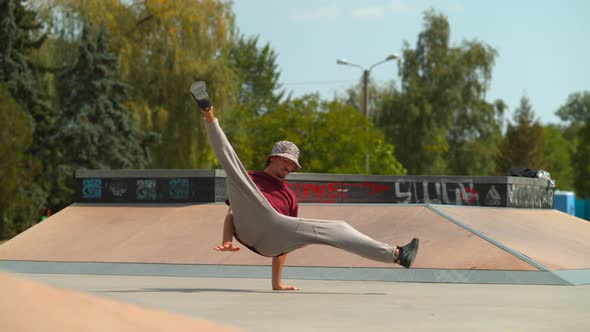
<point>251,305</point>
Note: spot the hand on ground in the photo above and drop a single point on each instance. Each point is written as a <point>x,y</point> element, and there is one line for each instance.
<point>227,246</point>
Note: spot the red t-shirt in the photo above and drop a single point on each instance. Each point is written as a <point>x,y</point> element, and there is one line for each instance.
<point>280,197</point>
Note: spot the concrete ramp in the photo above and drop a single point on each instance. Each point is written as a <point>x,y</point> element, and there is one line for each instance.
<point>458,244</point>
<point>30,306</point>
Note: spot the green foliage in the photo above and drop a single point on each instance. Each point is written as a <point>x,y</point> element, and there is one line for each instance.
<point>258,89</point>
<point>19,35</point>
<point>581,162</point>
<point>18,26</point>
<point>95,130</point>
<point>558,152</point>
<point>524,144</point>
<point>440,120</point>
<point>566,164</point>
<point>574,113</point>
<point>258,75</point>
<point>165,46</point>
<point>16,164</point>
<point>330,135</point>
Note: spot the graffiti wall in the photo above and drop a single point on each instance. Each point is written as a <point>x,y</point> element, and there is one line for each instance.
<point>320,188</point>
<point>521,195</point>
<point>409,192</point>
<point>145,190</point>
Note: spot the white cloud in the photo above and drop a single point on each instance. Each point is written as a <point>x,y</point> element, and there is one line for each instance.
<point>336,11</point>
<point>321,13</point>
<point>368,12</point>
<point>378,11</point>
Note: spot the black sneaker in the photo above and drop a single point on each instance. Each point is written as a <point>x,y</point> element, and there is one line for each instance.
<point>199,92</point>
<point>407,253</point>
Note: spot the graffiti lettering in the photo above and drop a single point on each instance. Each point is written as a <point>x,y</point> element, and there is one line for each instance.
<point>397,192</point>
<point>179,189</point>
<point>493,197</point>
<point>92,188</point>
<point>146,190</point>
<point>319,193</point>
<point>530,196</point>
<point>118,188</point>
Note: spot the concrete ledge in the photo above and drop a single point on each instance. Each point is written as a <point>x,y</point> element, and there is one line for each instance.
<point>575,277</point>
<point>149,173</point>
<point>203,186</point>
<point>305,273</point>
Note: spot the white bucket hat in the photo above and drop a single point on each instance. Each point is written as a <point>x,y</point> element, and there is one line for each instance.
<point>287,150</point>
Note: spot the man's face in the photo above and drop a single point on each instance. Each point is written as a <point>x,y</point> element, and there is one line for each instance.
<point>281,167</point>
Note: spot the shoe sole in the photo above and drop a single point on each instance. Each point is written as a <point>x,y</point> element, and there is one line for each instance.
<point>199,93</point>
<point>415,245</point>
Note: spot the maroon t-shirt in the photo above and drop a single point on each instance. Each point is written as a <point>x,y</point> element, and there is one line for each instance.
<point>280,197</point>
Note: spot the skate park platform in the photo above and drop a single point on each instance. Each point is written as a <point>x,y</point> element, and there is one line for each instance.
<point>459,244</point>
<point>166,222</point>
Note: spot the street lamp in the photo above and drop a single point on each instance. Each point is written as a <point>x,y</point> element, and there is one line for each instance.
<point>366,73</point>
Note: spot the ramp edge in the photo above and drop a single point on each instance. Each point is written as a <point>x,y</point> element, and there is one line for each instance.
<point>305,273</point>
<point>489,239</point>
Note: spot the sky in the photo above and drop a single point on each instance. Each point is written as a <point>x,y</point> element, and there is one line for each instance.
<point>543,46</point>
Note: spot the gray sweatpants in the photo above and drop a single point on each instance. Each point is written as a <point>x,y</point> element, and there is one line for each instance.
<point>262,229</point>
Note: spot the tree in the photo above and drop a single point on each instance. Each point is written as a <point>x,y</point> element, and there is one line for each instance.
<point>574,113</point>
<point>562,140</point>
<point>95,129</point>
<point>576,108</point>
<point>165,46</point>
<point>440,119</point>
<point>258,74</point>
<point>330,135</point>
<point>581,162</point>
<point>259,90</point>
<point>16,164</point>
<point>19,26</point>
<point>524,144</point>
<point>558,157</point>
<point>19,35</point>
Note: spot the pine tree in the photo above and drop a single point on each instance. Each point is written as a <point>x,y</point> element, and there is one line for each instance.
<point>95,130</point>
<point>524,144</point>
<point>19,27</point>
<point>15,140</point>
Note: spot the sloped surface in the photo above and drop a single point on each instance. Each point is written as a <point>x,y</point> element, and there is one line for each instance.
<point>31,306</point>
<point>555,239</point>
<point>185,234</point>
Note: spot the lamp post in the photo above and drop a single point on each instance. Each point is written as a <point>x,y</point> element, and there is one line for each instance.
<point>366,73</point>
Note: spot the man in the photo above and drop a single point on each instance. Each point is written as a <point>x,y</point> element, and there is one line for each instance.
<point>282,160</point>
<point>258,226</point>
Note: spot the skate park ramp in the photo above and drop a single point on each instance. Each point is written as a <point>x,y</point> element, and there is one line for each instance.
<point>62,310</point>
<point>458,244</point>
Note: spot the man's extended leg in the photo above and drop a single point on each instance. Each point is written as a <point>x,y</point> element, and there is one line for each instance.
<point>289,234</point>
<point>251,210</point>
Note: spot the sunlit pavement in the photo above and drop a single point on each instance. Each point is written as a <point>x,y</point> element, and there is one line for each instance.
<point>251,305</point>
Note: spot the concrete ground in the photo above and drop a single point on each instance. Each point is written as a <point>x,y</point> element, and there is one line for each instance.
<point>249,304</point>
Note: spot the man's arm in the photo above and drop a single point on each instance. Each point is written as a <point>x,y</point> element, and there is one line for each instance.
<point>228,234</point>
<point>277,272</point>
